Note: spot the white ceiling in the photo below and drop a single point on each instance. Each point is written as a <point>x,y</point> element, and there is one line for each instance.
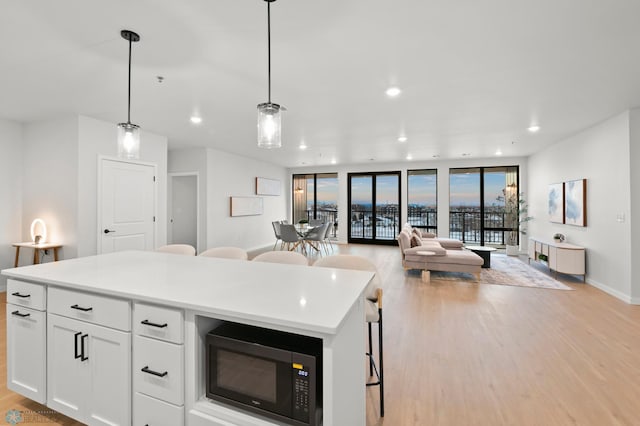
<point>474,74</point>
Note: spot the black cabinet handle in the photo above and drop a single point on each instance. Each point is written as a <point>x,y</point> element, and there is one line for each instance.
<point>153,324</point>
<point>82,341</point>
<point>80,308</point>
<point>155,373</point>
<point>17,294</point>
<point>106,231</point>
<point>76,355</point>
<point>18,314</point>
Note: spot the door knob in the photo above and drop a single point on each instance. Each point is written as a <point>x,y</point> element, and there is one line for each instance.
<point>106,231</point>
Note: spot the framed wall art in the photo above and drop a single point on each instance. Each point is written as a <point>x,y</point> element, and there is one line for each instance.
<point>556,202</point>
<point>575,204</point>
<point>266,186</point>
<point>246,206</point>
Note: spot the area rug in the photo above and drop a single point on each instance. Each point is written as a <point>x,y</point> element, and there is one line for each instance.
<point>505,270</point>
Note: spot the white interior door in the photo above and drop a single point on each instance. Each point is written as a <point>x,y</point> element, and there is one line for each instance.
<point>127,212</point>
<point>183,223</point>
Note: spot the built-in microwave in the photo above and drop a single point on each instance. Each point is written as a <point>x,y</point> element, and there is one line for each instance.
<point>272,373</point>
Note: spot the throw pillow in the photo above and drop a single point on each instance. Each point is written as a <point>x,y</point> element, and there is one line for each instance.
<point>415,241</point>
<point>416,232</point>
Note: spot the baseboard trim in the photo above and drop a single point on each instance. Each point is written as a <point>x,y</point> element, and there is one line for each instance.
<point>613,292</point>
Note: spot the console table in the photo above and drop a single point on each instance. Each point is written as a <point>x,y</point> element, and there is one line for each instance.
<point>560,257</point>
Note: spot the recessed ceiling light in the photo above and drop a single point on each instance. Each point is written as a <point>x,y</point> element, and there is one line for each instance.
<point>303,146</point>
<point>195,119</point>
<point>498,152</point>
<point>409,157</point>
<point>533,129</point>
<point>392,92</point>
<point>402,139</point>
<point>333,161</point>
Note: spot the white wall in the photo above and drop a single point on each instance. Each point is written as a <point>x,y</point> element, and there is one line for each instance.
<point>50,185</point>
<point>232,175</point>
<point>601,155</point>
<point>634,216</point>
<point>10,193</point>
<point>194,160</point>
<point>98,138</point>
<point>442,166</point>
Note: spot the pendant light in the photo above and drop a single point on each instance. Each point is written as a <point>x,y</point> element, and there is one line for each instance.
<point>269,114</point>
<point>129,133</point>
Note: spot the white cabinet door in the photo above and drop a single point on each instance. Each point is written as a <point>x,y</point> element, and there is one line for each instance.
<point>67,372</point>
<point>109,353</point>
<point>89,371</point>
<point>26,356</point>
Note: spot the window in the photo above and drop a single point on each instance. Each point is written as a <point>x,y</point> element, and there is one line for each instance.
<point>422,199</point>
<point>315,197</point>
<point>477,209</point>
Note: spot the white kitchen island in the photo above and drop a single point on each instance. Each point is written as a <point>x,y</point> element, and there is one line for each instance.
<point>101,303</point>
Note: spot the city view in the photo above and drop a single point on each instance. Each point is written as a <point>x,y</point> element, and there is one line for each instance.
<point>471,219</point>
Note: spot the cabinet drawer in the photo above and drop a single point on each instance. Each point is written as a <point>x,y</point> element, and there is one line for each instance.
<point>26,352</point>
<point>153,412</point>
<point>158,322</point>
<point>164,365</point>
<point>93,308</point>
<point>26,294</point>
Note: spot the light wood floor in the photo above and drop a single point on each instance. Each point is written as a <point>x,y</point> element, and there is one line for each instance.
<point>468,354</point>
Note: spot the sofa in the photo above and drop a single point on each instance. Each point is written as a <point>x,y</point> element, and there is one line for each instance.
<point>455,259</point>
<point>446,243</point>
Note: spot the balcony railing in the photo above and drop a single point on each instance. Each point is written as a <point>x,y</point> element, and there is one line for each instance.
<point>423,217</point>
<point>386,223</point>
<point>465,225</point>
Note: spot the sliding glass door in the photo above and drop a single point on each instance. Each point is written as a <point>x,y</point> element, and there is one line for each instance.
<point>374,207</point>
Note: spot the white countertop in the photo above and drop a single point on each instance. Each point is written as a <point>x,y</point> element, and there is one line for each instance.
<point>302,297</point>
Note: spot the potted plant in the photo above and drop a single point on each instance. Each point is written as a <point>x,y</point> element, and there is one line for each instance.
<point>515,217</point>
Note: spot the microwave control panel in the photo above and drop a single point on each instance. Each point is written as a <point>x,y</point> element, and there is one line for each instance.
<point>301,393</point>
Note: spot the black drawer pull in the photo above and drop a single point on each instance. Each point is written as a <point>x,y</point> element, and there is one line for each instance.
<point>17,294</point>
<point>153,324</point>
<point>18,314</point>
<point>155,373</point>
<point>80,308</point>
<point>76,355</point>
<point>82,357</point>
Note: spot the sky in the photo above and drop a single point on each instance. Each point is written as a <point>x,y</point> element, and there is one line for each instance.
<point>464,189</point>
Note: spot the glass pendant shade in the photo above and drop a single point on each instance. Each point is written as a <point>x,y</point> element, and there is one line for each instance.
<point>269,125</point>
<point>128,141</point>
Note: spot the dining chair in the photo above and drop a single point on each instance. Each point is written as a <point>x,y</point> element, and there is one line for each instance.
<point>316,235</point>
<point>288,257</point>
<point>185,249</point>
<point>290,237</point>
<point>276,231</point>
<point>226,253</point>
<point>315,222</point>
<point>327,238</point>
<point>373,309</point>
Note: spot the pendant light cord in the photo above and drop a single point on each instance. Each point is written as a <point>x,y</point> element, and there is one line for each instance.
<point>269,44</point>
<point>129,93</point>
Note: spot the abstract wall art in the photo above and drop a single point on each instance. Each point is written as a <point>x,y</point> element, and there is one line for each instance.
<point>575,205</point>
<point>556,202</point>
